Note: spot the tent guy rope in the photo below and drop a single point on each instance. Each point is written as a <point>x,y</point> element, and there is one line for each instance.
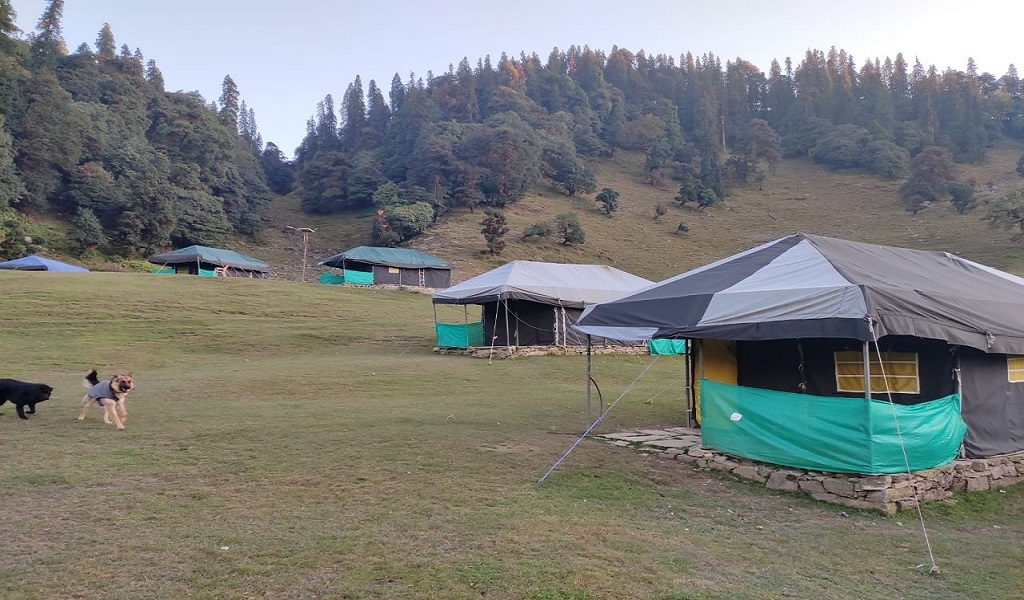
<point>598,419</point>
<point>899,432</point>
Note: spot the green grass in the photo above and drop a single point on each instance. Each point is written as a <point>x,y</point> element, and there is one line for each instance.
<point>302,441</point>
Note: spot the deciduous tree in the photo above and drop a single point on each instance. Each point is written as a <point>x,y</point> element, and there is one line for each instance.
<point>569,230</point>
<point>494,229</point>
<point>609,200</point>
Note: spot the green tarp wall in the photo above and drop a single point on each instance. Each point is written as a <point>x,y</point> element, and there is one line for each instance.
<point>356,277</point>
<point>331,278</point>
<point>820,433</point>
<point>666,346</point>
<point>459,335</point>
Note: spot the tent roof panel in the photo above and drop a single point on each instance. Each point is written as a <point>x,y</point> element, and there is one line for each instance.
<point>838,285</point>
<point>388,257</point>
<point>571,286</point>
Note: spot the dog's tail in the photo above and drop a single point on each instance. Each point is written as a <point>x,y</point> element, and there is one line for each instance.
<point>90,379</point>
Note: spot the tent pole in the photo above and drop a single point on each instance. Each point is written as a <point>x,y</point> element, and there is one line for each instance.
<point>434,306</point>
<point>589,421</point>
<point>688,384</point>
<point>867,372</point>
<point>465,321</point>
<point>508,338</point>
<point>558,326</point>
<point>962,453</point>
<point>698,374</point>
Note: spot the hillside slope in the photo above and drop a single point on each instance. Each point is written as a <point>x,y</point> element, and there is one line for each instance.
<point>798,196</point>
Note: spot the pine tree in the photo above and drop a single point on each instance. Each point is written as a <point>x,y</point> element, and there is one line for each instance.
<point>154,76</point>
<point>8,18</point>
<point>48,44</point>
<point>229,98</point>
<point>353,113</point>
<point>377,116</point>
<point>106,48</point>
<point>397,94</point>
<point>11,188</point>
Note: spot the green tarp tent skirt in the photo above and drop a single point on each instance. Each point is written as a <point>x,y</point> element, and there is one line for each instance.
<point>820,433</point>
<point>347,276</point>
<point>451,335</point>
<point>666,346</point>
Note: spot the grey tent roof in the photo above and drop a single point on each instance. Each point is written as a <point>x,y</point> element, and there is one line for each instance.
<point>213,256</point>
<point>388,257</point>
<point>806,286</point>
<point>39,263</point>
<point>571,286</point>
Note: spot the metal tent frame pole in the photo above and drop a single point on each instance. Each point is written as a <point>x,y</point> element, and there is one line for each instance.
<point>590,421</point>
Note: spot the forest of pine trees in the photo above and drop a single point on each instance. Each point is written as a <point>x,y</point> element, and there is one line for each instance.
<point>483,136</point>
<point>92,136</point>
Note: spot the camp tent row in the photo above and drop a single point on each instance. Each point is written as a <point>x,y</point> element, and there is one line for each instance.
<point>203,260</point>
<point>527,303</point>
<point>802,342</point>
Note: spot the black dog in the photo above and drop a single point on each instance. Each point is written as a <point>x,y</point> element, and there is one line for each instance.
<point>22,394</point>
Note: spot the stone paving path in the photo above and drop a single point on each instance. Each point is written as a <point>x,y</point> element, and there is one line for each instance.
<point>657,439</point>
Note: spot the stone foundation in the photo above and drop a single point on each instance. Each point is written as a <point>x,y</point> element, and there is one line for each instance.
<point>498,352</point>
<point>885,493</point>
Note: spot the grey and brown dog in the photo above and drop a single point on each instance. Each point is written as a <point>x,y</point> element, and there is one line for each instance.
<point>109,394</point>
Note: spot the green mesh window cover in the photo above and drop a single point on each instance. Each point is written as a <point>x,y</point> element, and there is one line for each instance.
<point>821,433</point>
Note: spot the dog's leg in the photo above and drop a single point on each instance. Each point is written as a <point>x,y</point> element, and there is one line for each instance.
<point>110,413</point>
<point>31,409</point>
<point>86,403</point>
<point>122,411</point>
<point>21,410</point>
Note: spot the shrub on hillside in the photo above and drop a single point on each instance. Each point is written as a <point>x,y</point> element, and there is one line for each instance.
<point>541,229</point>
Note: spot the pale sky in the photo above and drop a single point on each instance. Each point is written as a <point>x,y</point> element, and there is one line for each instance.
<point>287,55</point>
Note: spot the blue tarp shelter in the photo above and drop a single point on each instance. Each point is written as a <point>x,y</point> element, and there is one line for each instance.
<point>39,263</point>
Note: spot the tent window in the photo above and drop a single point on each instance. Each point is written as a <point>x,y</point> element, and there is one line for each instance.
<point>1015,369</point>
<point>900,370</point>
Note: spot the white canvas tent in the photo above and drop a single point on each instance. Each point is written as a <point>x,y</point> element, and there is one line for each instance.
<point>525,303</point>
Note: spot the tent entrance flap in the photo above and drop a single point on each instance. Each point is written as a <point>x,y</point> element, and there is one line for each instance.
<point>821,433</point>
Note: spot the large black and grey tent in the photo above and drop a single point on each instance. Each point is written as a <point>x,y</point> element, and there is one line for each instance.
<point>368,265</point>
<point>526,303</point>
<point>202,260</point>
<point>836,355</point>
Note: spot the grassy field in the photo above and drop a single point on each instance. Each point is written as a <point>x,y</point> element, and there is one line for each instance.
<point>300,441</point>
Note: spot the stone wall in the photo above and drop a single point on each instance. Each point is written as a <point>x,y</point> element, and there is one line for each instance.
<point>885,493</point>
